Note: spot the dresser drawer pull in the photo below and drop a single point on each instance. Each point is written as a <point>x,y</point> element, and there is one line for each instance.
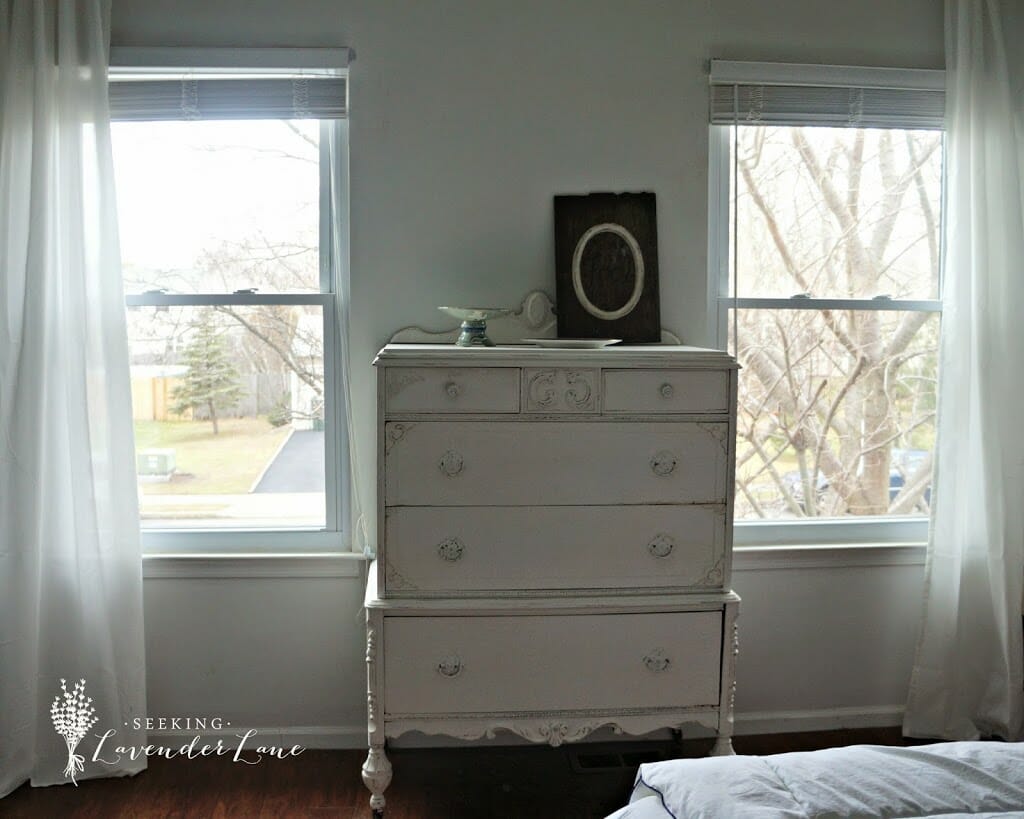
<point>450,464</point>
<point>452,389</point>
<point>656,661</point>
<point>450,549</point>
<point>661,545</point>
<point>667,390</point>
<point>450,666</point>
<point>663,463</point>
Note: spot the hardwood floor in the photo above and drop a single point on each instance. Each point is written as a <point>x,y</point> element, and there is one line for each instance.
<point>572,782</point>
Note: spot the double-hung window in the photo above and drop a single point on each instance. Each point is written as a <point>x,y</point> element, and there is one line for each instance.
<point>229,171</point>
<point>825,268</point>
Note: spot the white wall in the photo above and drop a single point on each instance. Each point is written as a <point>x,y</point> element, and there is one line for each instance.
<point>268,652</point>
<point>467,117</point>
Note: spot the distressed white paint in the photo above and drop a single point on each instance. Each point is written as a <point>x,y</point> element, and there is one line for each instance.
<point>665,391</point>
<point>597,462</point>
<point>506,658</point>
<point>416,389</point>
<point>524,550</point>
<point>550,663</point>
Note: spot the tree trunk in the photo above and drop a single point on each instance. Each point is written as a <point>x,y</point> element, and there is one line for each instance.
<point>877,446</point>
<point>213,416</point>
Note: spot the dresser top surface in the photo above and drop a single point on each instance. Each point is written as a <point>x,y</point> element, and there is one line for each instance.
<point>514,355</point>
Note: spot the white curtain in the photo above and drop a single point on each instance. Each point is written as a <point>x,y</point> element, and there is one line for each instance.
<point>967,679</point>
<point>353,520</point>
<point>70,564</point>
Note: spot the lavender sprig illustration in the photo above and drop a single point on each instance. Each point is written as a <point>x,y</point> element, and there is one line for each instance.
<point>73,715</point>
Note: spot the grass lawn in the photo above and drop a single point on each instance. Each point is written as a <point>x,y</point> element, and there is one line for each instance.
<point>208,464</point>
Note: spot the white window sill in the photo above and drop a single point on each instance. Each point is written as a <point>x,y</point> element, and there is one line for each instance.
<point>828,556</point>
<point>242,566</point>
<point>350,564</point>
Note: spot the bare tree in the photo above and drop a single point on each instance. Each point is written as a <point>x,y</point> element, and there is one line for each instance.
<point>828,395</point>
<point>278,337</point>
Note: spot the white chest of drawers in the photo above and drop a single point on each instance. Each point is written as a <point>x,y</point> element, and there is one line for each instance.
<point>555,543</point>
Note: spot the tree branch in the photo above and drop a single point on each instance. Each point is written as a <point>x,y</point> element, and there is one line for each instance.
<point>285,355</point>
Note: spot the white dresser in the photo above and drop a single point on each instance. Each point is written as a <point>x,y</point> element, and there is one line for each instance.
<point>555,539</point>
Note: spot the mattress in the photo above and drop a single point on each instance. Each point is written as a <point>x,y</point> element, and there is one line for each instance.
<point>953,779</point>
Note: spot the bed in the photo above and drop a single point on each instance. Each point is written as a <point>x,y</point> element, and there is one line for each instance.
<point>953,779</point>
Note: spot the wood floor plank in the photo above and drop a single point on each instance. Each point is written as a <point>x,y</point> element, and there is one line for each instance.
<point>572,782</point>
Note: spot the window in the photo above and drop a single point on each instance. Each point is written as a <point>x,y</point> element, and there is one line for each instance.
<point>224,185</point>
<point>826,283</point>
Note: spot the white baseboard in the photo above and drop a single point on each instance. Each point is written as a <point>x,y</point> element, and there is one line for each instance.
<point>824,719</point>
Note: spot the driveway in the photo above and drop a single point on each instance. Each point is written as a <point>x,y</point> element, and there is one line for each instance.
<point>298,466</point>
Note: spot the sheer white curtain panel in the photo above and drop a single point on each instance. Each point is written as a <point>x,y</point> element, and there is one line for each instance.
<point>353,518</point>
<point>70,562</point>
<point>968,679</point>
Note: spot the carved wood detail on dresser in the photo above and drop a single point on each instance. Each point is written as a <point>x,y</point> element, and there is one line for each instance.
<point>555,544</point>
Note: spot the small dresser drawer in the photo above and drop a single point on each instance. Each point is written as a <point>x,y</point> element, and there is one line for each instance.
<point>506,551</point>
<point>666,391</point>
<point>462,665</point>
<point>426,389</point>
<point>551,463</point>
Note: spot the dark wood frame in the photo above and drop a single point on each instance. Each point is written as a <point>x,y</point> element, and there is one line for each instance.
<point>609,236</point>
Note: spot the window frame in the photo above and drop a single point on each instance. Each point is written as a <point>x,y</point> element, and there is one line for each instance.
<point>866,530</point>
<point>329,539</point>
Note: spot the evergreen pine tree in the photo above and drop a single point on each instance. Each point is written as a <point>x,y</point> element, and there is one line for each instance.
<point>212,379</point>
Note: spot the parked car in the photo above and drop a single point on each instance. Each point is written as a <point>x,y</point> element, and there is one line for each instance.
<point>904,465</point>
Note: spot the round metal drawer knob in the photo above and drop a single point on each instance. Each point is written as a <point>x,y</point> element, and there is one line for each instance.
<point>451,463</point>
<point>661,545</point>
<point>656,661</point>
<point>663,463</point>
<point>450,549</point>
<point>450,666</point>
<point>452,389</point>
<point>667,390</point>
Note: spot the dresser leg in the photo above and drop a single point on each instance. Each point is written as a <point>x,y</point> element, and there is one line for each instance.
<point>376,777</point>
<point>730,650</point>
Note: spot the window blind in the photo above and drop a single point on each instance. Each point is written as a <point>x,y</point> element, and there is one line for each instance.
<point>172,83</point>
<point>831,96</point>
<point>193,98</point>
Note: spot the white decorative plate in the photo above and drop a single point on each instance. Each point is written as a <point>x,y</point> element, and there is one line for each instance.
<point>572,343</point>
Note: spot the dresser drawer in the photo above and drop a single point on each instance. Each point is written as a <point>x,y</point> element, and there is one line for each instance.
<point>507,550</point>
<point>550,463</point>
<point>453,665</point>
<point>666,391</point>
<point>426,389</point>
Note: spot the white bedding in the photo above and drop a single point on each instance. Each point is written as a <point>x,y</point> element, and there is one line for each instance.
<point>953,779</point>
